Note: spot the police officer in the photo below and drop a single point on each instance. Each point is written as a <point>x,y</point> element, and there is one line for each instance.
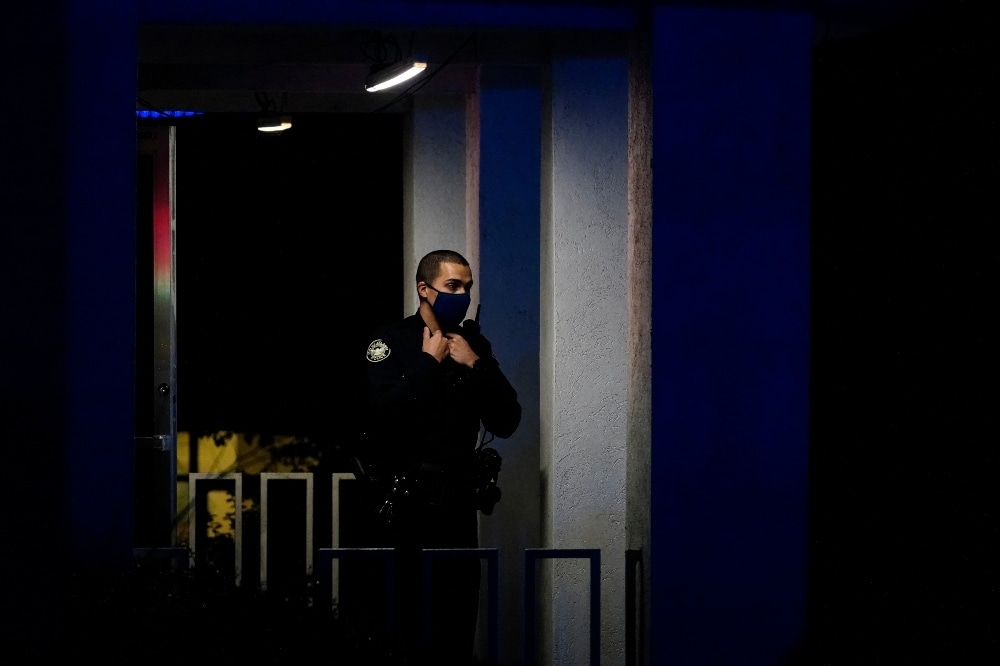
<point>436,392</point>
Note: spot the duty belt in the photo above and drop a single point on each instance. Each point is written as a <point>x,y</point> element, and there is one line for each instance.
<point>436,485</point>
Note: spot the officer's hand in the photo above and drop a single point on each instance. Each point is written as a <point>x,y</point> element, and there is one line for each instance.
<point>460,351</point>
<point>435,344</point>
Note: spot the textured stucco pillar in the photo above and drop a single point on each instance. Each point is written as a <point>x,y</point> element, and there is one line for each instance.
<point>509,106</point>
<point>730,336</point>
<point>434,187</point>
<point>583,348</point>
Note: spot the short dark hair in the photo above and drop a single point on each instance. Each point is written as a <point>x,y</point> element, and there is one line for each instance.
<point>430,266</point>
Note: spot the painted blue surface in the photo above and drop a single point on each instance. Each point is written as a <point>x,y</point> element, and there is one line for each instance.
<point>509,235</point>
<point>510,192</point>
<point>400,12</point>
<point>730,335</point>
<point>100,246</point>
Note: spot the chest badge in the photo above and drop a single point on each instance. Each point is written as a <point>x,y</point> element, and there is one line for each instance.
<point>378,351</point>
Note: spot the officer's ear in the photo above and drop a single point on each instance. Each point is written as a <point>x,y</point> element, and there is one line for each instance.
<point>422,289</point>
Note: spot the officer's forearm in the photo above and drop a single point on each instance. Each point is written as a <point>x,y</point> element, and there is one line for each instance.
<point>503,422</point>
<point>499,405</point>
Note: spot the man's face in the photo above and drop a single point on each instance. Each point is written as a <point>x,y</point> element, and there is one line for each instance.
<point>452,279</point>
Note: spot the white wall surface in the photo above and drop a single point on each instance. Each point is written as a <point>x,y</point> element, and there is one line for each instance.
<point>584,318</point>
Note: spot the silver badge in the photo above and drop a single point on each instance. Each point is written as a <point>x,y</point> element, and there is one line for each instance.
<point>378,351</point>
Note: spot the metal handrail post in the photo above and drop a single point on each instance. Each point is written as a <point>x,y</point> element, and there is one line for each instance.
<point>531,557</point>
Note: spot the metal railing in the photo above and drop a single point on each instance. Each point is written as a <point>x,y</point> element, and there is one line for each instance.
<point>327,562</point>
<point>531,557</point>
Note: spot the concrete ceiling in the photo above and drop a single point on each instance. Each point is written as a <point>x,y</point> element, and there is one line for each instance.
<point>221,68</point>
<point>217,67</point>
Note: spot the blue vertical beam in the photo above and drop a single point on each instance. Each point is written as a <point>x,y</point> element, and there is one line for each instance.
<point>509,226</point>
<point>730,337</point>
<point>509,282</point>
<point>99,158</point>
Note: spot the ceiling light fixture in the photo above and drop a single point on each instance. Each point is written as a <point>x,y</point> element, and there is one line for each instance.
<point>385,76</point>
<point>271,118</point>
<point>389,67</point>
<point>274,123</point>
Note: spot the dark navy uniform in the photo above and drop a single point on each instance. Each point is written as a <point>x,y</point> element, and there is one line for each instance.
<point>424,426</point>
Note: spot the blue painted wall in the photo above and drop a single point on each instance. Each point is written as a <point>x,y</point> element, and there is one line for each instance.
<point>730,335</point>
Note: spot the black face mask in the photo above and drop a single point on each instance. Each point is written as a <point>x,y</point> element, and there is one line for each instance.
<point>450,309</point>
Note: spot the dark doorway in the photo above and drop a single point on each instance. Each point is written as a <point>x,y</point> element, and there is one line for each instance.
<point>289,250</point>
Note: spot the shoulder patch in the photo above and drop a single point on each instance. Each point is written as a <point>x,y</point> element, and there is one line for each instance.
<point>378,351</point>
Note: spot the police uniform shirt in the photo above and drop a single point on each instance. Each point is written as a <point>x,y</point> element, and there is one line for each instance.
<point>432,411</point>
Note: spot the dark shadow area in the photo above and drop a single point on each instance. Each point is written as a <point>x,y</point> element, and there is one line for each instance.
<point>155,614</point>
<point>904,346</point>
<point>286,247</point>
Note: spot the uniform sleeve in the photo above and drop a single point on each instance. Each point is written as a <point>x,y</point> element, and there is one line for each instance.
<point>499,408</point>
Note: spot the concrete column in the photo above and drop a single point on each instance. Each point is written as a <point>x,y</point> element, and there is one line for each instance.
<point>730,336</point>
<point>583,346</point>
<point>434,187</point>
<point>509,105</point>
